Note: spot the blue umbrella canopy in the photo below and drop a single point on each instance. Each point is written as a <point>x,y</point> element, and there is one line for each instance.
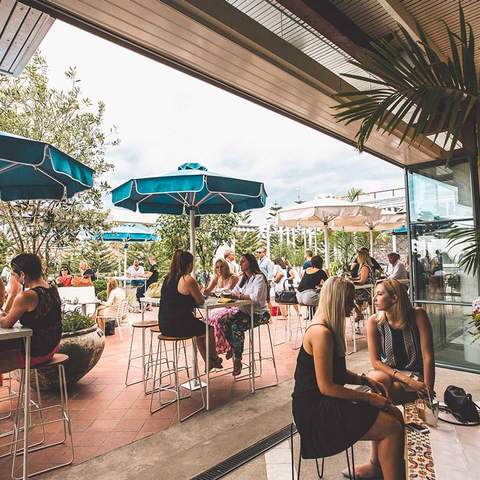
<point>191,188</point>
<point>128,233</point>
<point>33,170</point>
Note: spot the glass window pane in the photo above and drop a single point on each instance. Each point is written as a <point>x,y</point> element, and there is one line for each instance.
<point>440,193</point>
<point>437,274</point>
<point>453,341</point>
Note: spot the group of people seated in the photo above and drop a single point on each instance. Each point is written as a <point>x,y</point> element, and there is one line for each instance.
<point>181,295</point>
<point>331,417</point>
<point>85,277</point>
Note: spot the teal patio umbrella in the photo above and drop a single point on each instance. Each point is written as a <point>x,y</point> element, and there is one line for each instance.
<point>128,233</point>
<point>191,189</point>
<point>34,170</point>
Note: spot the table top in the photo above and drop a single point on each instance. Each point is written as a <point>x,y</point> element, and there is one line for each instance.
<point>213,302</point>
<point>82,302</point>
<point>123,278</point>
<point>15,332</point>
<point>153,301</point>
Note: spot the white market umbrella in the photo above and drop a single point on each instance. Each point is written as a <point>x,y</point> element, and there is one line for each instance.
<point>369,224</point>
<point>320,212</point>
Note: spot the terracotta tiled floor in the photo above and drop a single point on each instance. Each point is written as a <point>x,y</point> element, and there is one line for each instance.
<point>106,415</point>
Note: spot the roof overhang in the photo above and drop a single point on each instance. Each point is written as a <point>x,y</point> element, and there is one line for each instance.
<point>22,29</point>
<point>216,42</point>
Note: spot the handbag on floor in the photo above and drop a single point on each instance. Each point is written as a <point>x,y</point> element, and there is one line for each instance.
<point>461,405</point>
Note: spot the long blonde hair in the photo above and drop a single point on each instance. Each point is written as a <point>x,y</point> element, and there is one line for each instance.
<point>403,309</point>
<point>226,267</point>
<point>111,285</point>
<point>363,258</point>
<point>336,294</point>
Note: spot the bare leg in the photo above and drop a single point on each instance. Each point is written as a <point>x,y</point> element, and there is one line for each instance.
<point>387,431</point>
<point>215,360</point>
<point>372,468</point>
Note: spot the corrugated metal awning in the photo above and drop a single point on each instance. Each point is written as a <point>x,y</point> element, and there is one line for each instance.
<point>22,28</point>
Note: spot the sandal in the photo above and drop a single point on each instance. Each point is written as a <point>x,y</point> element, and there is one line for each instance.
<point>375,475</point>
<point>237,367</point>
<point>215,363</point>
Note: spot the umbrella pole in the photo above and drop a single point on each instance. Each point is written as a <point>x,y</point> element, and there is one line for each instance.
<point>125,250</point>
<point>325,241</point>
<point>370,234</point>
<point>394,243</point>
<point>195,384</point>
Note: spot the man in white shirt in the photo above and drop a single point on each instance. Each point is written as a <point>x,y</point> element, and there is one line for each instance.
<point>396,269</point>
<point>229,256</point>
<point>135,270</point>
<point>265,264</point>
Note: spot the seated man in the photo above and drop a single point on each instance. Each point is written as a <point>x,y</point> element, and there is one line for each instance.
<point>396,269</point>
<point>137,272</point>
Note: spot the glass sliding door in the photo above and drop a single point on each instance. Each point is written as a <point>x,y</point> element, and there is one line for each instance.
<point>441,198</point>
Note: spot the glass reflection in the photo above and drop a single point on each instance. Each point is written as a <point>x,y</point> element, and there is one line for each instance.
<point>437,274</point>
<point>440,193</point>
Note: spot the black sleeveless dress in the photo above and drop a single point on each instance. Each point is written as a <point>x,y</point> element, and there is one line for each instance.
<point>45,321</point>
<point>176,317</point>
<point>326,425</point>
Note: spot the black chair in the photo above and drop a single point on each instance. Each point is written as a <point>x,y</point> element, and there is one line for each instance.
<point>351,470</point>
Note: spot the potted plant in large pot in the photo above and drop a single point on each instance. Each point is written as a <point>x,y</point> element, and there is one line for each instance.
<point>83,342</point>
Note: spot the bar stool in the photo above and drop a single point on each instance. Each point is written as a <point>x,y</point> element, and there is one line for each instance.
<point>258,357</point>
<point>348,450</point>
<point>58,361</point>
<point>177,342</point>
<point>143,326</point>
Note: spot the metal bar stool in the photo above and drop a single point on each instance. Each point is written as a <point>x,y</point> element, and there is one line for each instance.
<point>176,388</point>
<point>320,471</point>
<point>143,326</point>
<point>258,357</point>
<point>58,360</point>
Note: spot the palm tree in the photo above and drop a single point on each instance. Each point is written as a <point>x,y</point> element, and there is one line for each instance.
<point>354,194</point>
<point>414,88</point>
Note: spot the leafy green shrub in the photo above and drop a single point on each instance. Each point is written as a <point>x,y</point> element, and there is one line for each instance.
<point>73,321</point>
<point>102,295</point>
<point>100,284</point>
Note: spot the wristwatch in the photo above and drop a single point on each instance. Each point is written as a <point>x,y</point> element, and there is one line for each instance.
<point>363,379</point>
<point>395,371</point>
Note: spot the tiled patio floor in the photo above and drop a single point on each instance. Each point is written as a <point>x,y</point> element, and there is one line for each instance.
<point>105,414</point>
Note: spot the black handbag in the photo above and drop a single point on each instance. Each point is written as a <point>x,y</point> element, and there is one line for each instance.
<point>461,405</point>
<point>286,295</point>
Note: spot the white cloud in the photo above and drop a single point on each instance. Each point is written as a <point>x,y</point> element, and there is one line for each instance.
<point>166,118</point>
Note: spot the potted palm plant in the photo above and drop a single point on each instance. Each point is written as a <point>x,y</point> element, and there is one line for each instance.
<point>416,90</point>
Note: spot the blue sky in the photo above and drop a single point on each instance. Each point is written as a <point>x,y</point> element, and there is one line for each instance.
<point>166,118</point>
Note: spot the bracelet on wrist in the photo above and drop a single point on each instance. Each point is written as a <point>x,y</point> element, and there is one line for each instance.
<point>394,373</point>
<point>363,379</point>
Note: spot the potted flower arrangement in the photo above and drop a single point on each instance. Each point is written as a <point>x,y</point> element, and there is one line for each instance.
<point>83,342</point>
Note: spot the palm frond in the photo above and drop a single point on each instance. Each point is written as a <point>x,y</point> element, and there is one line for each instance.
<point>413,89</point>
<point>468,240</point>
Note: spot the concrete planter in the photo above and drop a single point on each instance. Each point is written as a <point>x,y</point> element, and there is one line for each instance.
<point>84,347</point>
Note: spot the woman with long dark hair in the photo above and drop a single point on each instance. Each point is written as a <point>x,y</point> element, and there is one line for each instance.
<point>38,308</point>
<point>179,297</point>
<point>252,286</point>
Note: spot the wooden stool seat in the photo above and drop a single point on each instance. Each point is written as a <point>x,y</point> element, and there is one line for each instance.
<point>173,339</point>
<point>57,359</point>
<point>145,324</point>
<point>155,329</point>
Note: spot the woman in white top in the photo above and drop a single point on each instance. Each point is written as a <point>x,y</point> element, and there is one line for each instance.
<point>108,309</point>
<point>252,286</point>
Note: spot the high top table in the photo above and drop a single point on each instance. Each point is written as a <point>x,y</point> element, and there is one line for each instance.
<point>12,334</point>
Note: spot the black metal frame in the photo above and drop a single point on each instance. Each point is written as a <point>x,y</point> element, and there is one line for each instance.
<point>348,450</point>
